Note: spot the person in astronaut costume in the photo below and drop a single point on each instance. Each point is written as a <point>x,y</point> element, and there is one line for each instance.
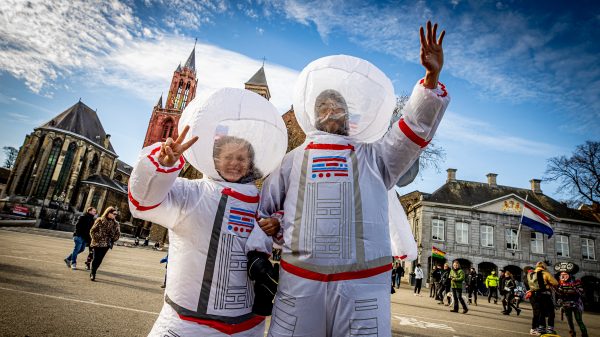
<point>333,191</point>
<point>209,219</point>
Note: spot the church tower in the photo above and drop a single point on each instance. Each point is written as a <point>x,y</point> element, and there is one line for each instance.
<point>258,84</point>
<point>164,119</point>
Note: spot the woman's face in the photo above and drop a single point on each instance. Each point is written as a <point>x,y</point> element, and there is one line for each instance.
<point>564,276</point>
<point>233,162</point>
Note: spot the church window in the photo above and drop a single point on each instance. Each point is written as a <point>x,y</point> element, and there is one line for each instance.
<point>587,249</point>
<point>487,236</point>
<point>437,230</point>
<point>95,199</point>
<point>511,238</point>
<point>44,183</point>
<point>178,96</point>
<point>185,96</point>
<point>66,169</point>
<point>562,245</point>
<point>167,129</point>
<point>94,164</point>
<point>537,243</point>
<point>462,233</point>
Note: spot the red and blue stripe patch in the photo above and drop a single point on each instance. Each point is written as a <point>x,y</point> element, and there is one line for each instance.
<point>240,220</point>
<point>327,166</point>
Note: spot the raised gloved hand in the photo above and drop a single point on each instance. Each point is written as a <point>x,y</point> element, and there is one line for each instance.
<point>265,277</point>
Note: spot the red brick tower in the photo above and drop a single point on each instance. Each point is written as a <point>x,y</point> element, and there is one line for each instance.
<point>163,122</point>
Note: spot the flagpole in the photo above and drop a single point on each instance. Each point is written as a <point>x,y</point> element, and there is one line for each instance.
<point>520,221</point>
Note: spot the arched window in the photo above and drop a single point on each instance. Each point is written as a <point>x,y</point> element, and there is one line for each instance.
<point>178,96</point>
<point>185,96</point>
<point>65,171</point>
<point>167,130</point>
<point>95,200</point>
<point>44,183</point>
<point>94,164</point>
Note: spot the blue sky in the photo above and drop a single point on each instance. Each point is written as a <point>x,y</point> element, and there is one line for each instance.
<point>524,78</point>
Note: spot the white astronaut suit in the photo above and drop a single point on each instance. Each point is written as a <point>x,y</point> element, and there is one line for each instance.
<point>333,190</point>
<point>208,292</point>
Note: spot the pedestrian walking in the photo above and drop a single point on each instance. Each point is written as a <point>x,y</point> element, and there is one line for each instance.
<point>418,279</point>
<point>509,294</point>
<point>457,276</point>
<point>399,274</point>
<point>105,232</point>
<point>570,293</point>
<point>81,236</point>
<point>444,284</point>
<point>540,281</point>
<point>472,283</point>
<point>491,282</point>
<point>435,277</point>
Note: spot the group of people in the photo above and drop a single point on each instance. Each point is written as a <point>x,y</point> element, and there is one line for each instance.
<point>99,234</point>
<point>325,202</point>
<point>544,293</point>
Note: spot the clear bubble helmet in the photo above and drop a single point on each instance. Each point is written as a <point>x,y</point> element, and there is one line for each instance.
<point>239,113</point>
<point>366,93</point>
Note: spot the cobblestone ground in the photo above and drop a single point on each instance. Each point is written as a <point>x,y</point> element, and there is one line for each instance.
<point>41,297</point>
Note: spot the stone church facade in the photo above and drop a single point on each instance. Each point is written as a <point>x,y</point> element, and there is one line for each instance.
<point>69,163</point>
<point>477,223</point>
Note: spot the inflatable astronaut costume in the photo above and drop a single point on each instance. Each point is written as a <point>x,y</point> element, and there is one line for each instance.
<point>333,190</point>
<point>209,220</point>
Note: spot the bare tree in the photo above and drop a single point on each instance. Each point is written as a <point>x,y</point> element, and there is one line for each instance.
<point>578,175</point>
<point>11,156</point>
<point>433,156</point>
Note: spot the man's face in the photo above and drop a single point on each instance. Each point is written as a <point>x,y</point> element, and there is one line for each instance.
<point>93,212</point>
<point>331,117</point>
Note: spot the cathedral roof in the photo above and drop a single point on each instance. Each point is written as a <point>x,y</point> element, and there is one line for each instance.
<point>104,181</point>
<point>80,119</point>
<point>191,61</point>
<point>124,167</point>
<point>259,78</point>
<point>471,193</point>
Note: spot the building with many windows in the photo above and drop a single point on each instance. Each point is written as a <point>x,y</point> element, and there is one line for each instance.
<point>478,224</point>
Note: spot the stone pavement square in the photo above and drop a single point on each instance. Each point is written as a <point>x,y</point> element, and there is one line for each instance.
<point>41,297</point>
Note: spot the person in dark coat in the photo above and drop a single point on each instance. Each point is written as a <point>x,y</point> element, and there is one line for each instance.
<point>509,294</point>
<point>81,236</point>
<point>472,285</point>
<point>436,275</point>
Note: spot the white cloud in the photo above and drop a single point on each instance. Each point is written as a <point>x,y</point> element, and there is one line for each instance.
<point>215,67</point>
<point>468,131</point>
<point>40,42</point>
<point>504,54</point>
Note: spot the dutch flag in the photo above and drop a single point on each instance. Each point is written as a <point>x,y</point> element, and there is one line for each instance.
<point>536,220</point>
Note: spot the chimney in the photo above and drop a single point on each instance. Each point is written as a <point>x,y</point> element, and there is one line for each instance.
<point>106,141</point>
<point>535,185</point>
<point>491,179</point>
<point>451,175</point>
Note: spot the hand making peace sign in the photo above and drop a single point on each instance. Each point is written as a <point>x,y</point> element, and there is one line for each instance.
<point>432,54</point>
<point>171,150</point>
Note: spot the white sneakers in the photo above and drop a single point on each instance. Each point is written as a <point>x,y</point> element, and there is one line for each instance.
<point>73,266</point>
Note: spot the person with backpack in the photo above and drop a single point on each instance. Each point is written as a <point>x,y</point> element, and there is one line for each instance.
<point>570,293</point>
<point>491,282</point>
<point>540,281</point>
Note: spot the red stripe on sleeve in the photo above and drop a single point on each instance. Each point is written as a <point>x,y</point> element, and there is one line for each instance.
<point>411,135</point>
<point>137,204</point>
